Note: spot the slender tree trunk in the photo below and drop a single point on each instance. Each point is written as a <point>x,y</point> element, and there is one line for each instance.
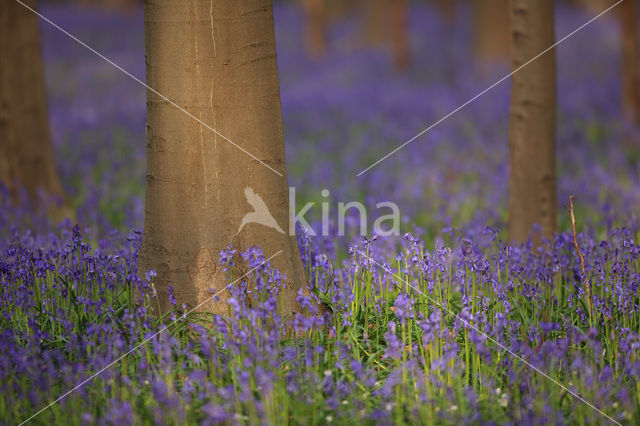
<point>217,60</point>
<point>596,6</point>
<point>315,27</point>
<point>376,24</point>
<point>6,136</point>
<point>129,7</point>
<point>122,3</point>
<point>125,5</point>
<point>386,24</point>
<point>448,9</point>
<point>491,30</point>
<point>400,34</point>
<point>25,140</point>
<point>339,9</point>
<point>628,13</point>
<point>532,123</point>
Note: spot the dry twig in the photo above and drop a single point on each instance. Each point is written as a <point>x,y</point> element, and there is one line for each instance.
<point>575,243</point>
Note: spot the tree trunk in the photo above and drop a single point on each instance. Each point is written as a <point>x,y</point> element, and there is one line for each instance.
<point>400,34</point>
<point>532,123</point>
<point>339,9</point>
<point>6,137</point>
<point>595,6</point>
<point>448,9</point>
<point>629,50</point>
<point>217,60</point>
<point>315,27</point>
<point>375,15</point>
<point>124,5</point>
<point>25,140</point>
<point>491,30</point>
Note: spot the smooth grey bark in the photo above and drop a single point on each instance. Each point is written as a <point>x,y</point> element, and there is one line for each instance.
<point>217,60</point>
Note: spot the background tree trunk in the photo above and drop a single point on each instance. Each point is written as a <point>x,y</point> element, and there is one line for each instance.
<point>376,21</point>
<point>628,14</point>
<point>6,138</point>
<point>532,124</point>
<point>448,9</point>
<point>339,9</point>
<point>216,59</point>
<point>400,34</point>
<point>25,139</point>
<point>123,5</point>
<point>315,27</point>
<point>491,30</point>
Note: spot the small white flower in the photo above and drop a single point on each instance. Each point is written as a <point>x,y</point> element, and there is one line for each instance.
<point>453,408</point>
<point>329,419</point>
<point>327,373</point>
<point>504,400</point>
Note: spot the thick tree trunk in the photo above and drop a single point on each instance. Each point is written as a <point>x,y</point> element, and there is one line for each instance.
<point>400,34</point>
<point>532,123</point>
<point>628,13</point>
<point>491,30</point>
<point>25,141</point>
<point>217,60</point>
<point>315,27</point>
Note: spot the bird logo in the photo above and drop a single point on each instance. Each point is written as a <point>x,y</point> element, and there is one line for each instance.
<point>260,213</point>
